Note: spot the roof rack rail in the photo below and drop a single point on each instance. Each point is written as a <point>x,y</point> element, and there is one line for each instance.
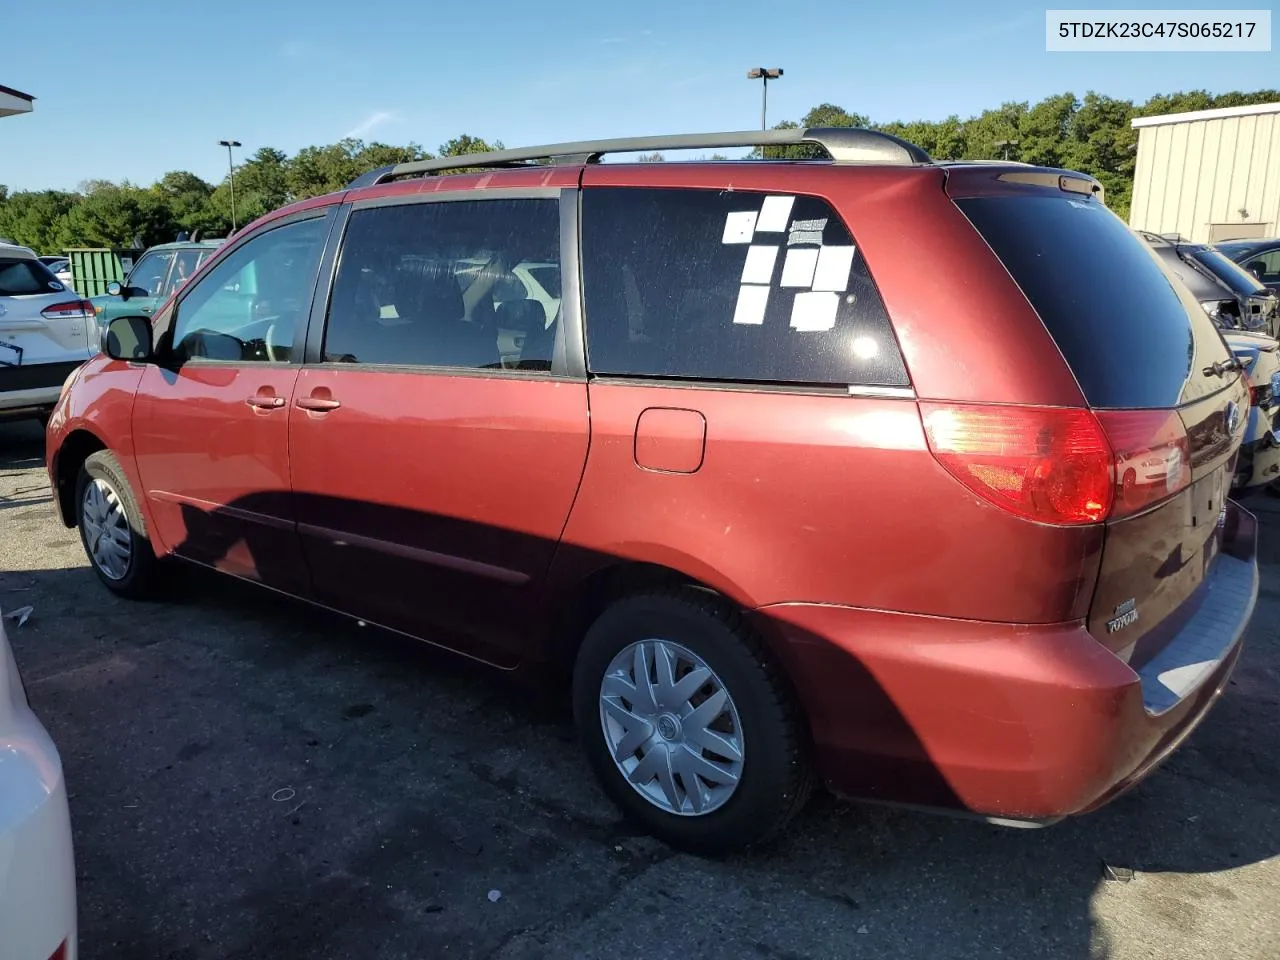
<point>842,144</point>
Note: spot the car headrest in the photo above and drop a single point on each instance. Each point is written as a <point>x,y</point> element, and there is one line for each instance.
<point>524,315</point>
<point>426,291</point>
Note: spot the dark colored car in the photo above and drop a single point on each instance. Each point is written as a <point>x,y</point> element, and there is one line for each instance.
<point>784,507</point>
<point>1260,257</point>
<point>1232,296</point>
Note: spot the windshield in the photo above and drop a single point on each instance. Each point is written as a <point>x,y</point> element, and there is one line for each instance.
<point>1229,272</point>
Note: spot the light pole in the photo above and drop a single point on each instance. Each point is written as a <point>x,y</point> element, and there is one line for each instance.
<point>232,168</point>
<point>764,74</point>
<point>1006,144</point>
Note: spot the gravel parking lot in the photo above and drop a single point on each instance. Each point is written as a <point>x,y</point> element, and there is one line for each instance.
<point>249,777</point>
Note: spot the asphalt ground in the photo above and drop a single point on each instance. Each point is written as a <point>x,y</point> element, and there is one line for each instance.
<point>253,778</point>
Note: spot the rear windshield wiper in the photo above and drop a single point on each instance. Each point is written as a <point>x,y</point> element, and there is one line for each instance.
<point>1221,369</point>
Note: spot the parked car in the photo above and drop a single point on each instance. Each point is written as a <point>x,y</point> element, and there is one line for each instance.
<point>60,267</point>
<point>1259,462</point>
<point>1260,257</point>
<point>46,332</point>
<point>37,867</point>
<point>778,509</point>
<point>156,274</point>
<point>1230,295</point>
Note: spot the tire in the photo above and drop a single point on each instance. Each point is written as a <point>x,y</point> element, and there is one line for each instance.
<point>773,778</point>
<point>136,578</point>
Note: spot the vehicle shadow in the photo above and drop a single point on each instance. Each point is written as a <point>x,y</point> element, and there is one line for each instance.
<point>417,782</point>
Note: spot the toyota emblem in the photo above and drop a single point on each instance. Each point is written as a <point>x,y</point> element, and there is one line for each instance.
<point>1232,417</point>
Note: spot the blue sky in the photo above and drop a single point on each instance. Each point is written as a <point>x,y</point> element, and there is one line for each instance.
<point>289,73</point>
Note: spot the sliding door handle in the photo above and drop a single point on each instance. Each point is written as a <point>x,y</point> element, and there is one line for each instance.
<point>317,404</point>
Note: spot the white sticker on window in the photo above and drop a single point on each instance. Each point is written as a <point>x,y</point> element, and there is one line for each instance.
<point>739,226</point>
<point>834,264</point>
<point>774,214</point>
<point>797,270</point>
<point>752,302</point>
<point>814,312</point>
<point>806,231</point>
<point>759,265</point>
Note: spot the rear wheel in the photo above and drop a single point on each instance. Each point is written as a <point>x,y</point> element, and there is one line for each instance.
<point>111,528</point>
<point>688,725</point>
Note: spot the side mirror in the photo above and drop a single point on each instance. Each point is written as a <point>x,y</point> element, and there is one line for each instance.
<point>117,289</point>
<point>129,338</point>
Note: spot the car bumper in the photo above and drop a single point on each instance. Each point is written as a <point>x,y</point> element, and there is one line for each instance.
<point>33,389</point>
<point>37,868</point>
<point>1010,722</point>
<point>1259,461</point>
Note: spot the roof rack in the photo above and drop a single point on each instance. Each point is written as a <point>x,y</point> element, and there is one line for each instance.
<point>842,144</point>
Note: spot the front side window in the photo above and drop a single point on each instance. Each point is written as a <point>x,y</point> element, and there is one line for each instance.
<point>248,307</point>
<point>730,286</point>
<point>184,265</point>
<point>1266,267</point>
<point>436,285</point>
<point>148,275</point>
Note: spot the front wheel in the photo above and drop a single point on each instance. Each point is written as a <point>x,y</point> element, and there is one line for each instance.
<point>687,723</point>
<point>111,528</point>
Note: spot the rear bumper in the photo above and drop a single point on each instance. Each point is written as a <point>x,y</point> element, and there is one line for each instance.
<point>1029,723</point>
<point>32,389</point>
<point>1259,461</point>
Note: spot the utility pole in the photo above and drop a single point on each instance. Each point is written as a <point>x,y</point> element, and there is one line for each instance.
<point>231,167</point>
<point>764,74</point>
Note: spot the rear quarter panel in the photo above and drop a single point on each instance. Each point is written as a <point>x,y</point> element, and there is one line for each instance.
<point>821,499</point>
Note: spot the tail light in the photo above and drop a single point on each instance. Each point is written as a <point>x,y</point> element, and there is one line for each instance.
<point>69,310</point>
<point>1152,457</point>
<point>1061,466</point>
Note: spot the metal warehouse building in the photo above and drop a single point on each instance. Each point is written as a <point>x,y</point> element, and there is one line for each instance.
<point>14,102</point>
<point>1209,175</point>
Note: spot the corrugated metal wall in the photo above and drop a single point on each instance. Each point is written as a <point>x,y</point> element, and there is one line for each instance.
<point>1195,174</point>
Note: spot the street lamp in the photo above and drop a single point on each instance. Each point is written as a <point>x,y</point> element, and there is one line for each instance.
<point>764,74</point>
<point>232,168</point>
<point>1006,144</point>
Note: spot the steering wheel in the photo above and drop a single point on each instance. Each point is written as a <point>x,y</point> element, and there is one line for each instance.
<point>271,345</point>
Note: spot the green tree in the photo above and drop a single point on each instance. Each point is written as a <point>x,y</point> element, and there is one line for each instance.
<point>261,186</point>
<point>121,216</point>
<point>38,219</point>
<point>190,201</point>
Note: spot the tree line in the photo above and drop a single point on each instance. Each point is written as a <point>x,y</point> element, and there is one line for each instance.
<point>1092,135</point>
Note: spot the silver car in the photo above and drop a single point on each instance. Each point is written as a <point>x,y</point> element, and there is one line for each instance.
<point>46,331</point>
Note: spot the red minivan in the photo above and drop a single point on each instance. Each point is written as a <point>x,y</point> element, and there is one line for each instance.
<point>906,477</point>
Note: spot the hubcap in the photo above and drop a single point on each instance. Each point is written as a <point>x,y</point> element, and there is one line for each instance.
<point>106,530</point>
<point>671,727</point>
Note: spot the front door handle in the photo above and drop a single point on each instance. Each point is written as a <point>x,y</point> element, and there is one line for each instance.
<point>318,404</point>
<point>264,402</point>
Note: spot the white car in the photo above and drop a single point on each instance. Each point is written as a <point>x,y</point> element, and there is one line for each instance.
<point>46,331</point>
<point>37,868</point>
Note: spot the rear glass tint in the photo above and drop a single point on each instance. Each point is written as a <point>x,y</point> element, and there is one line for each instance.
<point>730,286</point>
<point>22,277</point>
<point>1132,334</point>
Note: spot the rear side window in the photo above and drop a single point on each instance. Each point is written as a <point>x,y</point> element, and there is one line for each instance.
<point>1132,334</point>
<point>730,286</point>
<point>22,277</point>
